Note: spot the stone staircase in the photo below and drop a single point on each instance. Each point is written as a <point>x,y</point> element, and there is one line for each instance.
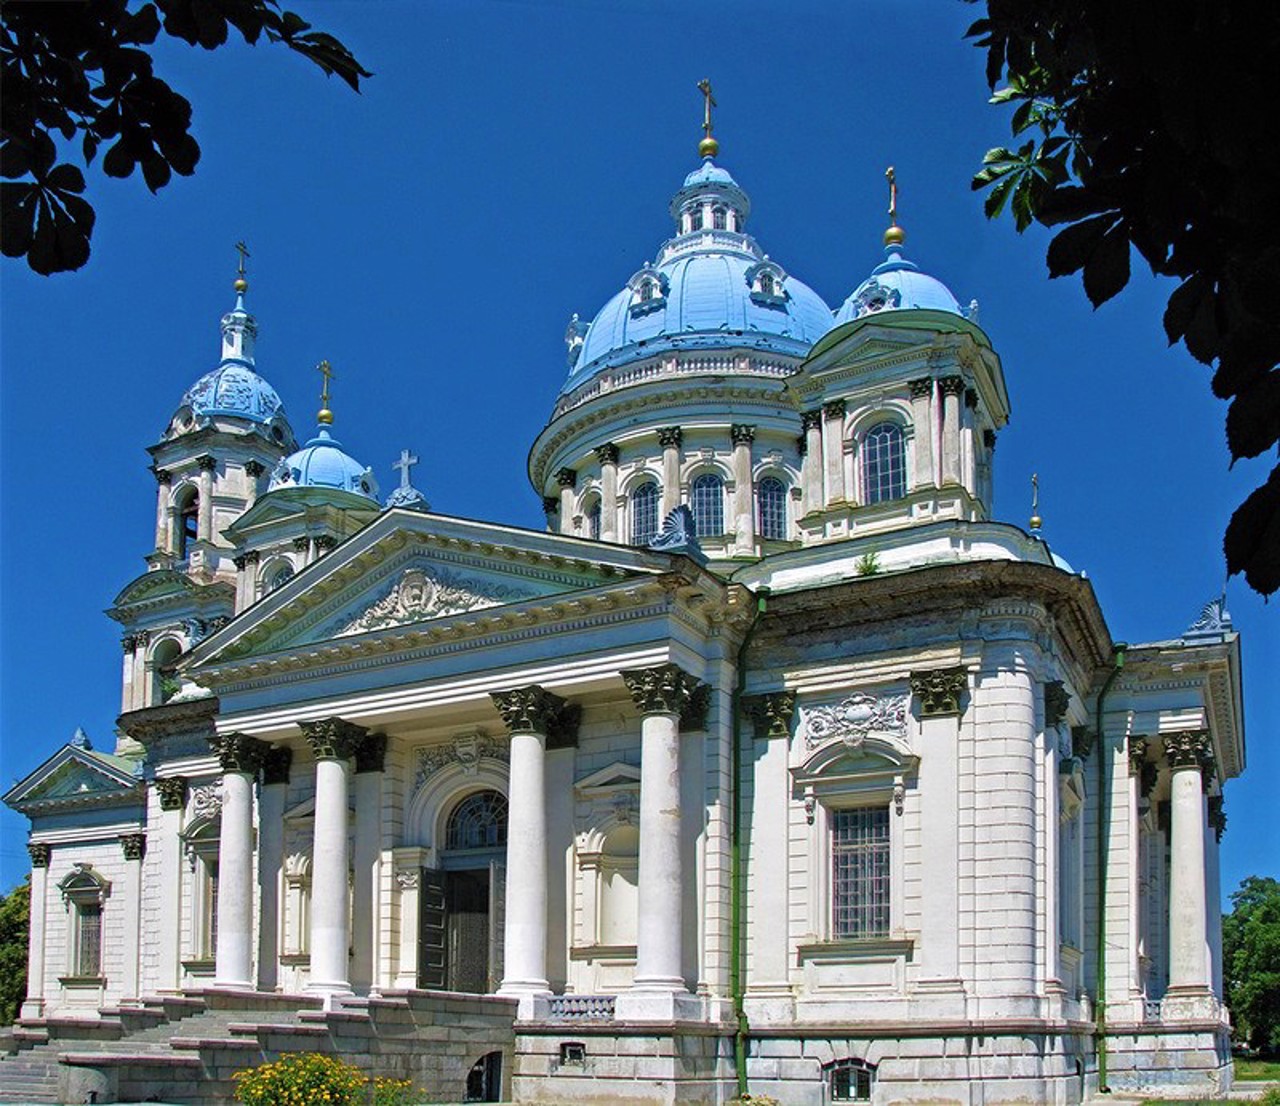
<point>186,1049</point>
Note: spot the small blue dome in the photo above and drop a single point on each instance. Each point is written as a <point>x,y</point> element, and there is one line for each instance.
<point>897,284</point>
<point>233,388</point>
<point>709,173</point>
<point>321,463</point>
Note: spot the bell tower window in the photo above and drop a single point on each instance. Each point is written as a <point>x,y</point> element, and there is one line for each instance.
<point>695,218</point>
<point>719,218</point>
<point>188,528</point>
<point>883,464</point>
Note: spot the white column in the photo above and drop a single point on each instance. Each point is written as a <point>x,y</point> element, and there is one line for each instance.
<point>164,532</point>
<point>530,714</point>
<point>1187,753</point>
<point>768,910</point>
<point>1213,903</point>
<point>333,742</point>
<point>204,520</point>
<point>833,450</point>
<point>171,791</point>
<point>607,455</point>
<point>968,450</point>
<point>135,847</point>
<point>952,389</point>
<point>662,694</point>
<point>253,470</point>
<point>811,467</point>
<point>241,756</point>
<point>567,479</point>
<point>33,1007</point>
<point>744,516</point>
<point>939,798</point>
<point>370,758</point>
<point>271,803</point>
<point>670,438</point>
<point>922,439</point>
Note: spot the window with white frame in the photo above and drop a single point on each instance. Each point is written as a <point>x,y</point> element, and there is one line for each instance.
<point>719,218</point>
<point>849,1080</point>
<point>771,501</point>
<point>884,470</point>
<point>860,873</point>
<point>644,513</point>
<point>707,494</point>
<point>84,891</point>
<point>695,218</point>
<point>202,861</point>
<point>593,515</point>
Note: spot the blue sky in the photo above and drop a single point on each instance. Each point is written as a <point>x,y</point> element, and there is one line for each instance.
<point>509,164</point>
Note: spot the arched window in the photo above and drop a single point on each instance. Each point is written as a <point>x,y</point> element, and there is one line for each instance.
<point>644,513</point>
<point>277,576</point>
<point>646,291</point>
<point>849,1080</point>
<point>593,520</point>
<point>771,497</point>
<point>708,506</point>
<point>884,474</point>
<point>478,822</point>
<point>766,284</point>
<point>695,218</point>
<point>165,682</point>
<point>84,892</point>
<point>188,529</point>
<point>719,218</point>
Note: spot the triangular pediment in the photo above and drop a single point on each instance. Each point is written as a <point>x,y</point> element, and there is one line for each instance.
<point>610,778</point>
<point>409,568</point>
<point>75,777</point>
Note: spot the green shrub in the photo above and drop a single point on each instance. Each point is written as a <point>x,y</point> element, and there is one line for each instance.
<point>393,1092</point>
<point>303,1079</point>
<point>1271,1098</point>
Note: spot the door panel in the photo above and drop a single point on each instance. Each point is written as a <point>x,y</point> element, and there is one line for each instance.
<point>433,968</point>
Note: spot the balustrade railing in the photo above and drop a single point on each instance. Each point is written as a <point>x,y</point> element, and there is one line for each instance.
<point>581,1008</point>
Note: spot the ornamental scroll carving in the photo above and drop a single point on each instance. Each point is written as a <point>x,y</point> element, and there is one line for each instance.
<point>467,750</point>
<point>771,713</point>
<point>939,690</point>
<point>854,719</point>
<point>206,801</point>
<point>1188,749</point>
<point>668,689</point>
<point>333,738</point>
<point>172,791</point>
<point>430,592</point>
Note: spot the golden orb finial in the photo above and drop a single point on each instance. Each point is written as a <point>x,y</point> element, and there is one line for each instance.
<point>241,285</point>
<point>708,147</point>
<point>895,235</point>
<point>1035,521</point>
<point>325,416</point>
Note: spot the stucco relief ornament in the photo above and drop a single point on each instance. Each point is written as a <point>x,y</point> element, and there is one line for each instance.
<point>854,719</point>
<point>466,750</point>
<point>875,297</point>
<point>407,879</point>
<point>206,801</point>
<point>423,593</point>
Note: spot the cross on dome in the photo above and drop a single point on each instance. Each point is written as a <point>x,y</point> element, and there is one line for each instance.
<point>405,464</point>
<point>406,495</point>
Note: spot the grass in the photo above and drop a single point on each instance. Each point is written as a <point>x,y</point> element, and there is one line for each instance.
<point>1253,1069</point>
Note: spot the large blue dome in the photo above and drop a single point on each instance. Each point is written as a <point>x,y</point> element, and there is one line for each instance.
<point>711,287</point>
<point>233,388</point>
<point>897,284</point>
<point>321,463</point>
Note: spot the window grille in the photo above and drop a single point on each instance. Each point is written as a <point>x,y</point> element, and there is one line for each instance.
<point>593,521</point>
<point>646,291</point>
<point>771,495</point>
<point>766,284</point>
<point>89,939</point>
<point>850,1081</point>
<point>860,872</point>
<point>644,513</point>
<point>883,465</point>
<point>708,506</point>
<point>478,822</point>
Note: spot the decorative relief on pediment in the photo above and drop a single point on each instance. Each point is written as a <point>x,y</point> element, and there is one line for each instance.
<point>466,750</point>
<point>854,719</point>
<point>430,592</point>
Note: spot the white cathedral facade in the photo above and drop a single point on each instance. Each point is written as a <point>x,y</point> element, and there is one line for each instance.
<point>776,763</point>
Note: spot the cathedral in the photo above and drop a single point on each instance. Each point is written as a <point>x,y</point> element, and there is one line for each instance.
<point>776,764</point>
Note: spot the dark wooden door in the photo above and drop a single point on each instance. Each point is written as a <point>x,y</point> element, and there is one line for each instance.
<point>467,899</point>
<point>433,965</point>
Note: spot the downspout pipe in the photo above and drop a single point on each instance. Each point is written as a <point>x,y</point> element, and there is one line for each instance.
<point>1104,833</point>
<point>741,1028</point>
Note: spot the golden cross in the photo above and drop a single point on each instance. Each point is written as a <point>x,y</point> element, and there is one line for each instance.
<point>891,177</point>
<point>704,86</point>
<point>325,370</point>
<point>243,251</point>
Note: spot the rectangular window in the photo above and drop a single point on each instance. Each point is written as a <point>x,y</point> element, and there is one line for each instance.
<point>88,939</point>
<point>850,1081</point>
<point>860,872</point>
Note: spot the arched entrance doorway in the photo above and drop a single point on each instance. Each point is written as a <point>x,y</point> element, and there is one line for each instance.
<point>460,935</point>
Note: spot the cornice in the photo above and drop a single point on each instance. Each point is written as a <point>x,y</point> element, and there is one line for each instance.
<point>152,724</point>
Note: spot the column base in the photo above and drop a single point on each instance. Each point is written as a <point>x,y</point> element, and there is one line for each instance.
<point>220,984</point>
<point>532,995</point>
<point>32,1008</point>
<point>639,1005</point>
<point>1189,1004</point>
<point>330,991</point>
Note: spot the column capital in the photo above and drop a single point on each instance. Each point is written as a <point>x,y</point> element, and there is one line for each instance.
<point>670,437</point>
<point>772,712</point>
<point>741,433</point>
<point>952,385</point>
<point>206,462</point>
<point>333,738</point>
<point>239,561</point>
<point>607,454</point>
<point>129,642</point>
<point>325,542</point>
<point>302,543</point>
<point>567,478</point>
<point>254,468</point>
<point>989,438</point>
<point>939,690</point>
<point>163,476</point>
<point>134,845</point>
<point>921,387</point>
<point>534,709</point>
<point>1217,816</point>
<point>1188,749</point>
<point>172,792</point>
<point>971,398</point>
<point>550,504</point>
<point>238,752</point>
<point>1082,741</point>
<point>834,409</point>
<point>371,753</point>
<point>1056,701</point>
<point>252,556</point>
<point>669,689</point>
<point>39,852</point>
<point>810,420</point>
<point>802,445</point>
<point>1138,747</point>
<point>276,763</point>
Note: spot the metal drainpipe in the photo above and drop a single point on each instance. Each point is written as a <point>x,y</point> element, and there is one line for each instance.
<point>1104,830</point>
<point>735,857</point>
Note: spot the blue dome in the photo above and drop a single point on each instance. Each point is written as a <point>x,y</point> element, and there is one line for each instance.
<point>233,388</point>
<point>897,284</point>
<point>321,463</point>
<point>711,287</point>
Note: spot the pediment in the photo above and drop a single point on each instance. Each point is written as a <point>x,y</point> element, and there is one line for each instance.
<point>75,777</point>
<point>409,568</point>
<point>166,589</point>
<point>150,586</point>
<point>613,777</point>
